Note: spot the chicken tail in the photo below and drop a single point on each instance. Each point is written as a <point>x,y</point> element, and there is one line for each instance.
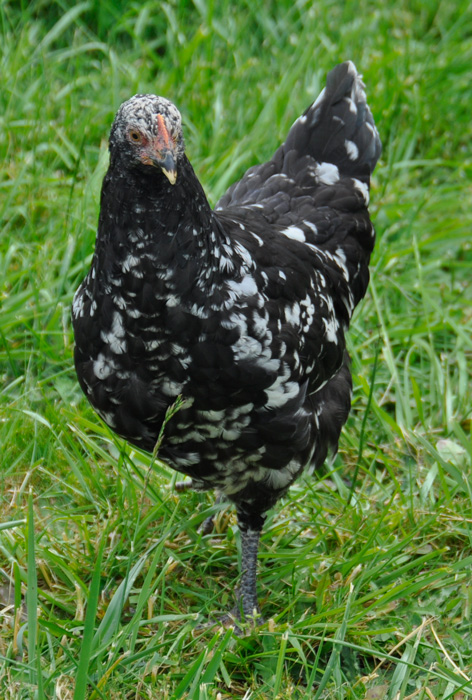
<point>338,128</point>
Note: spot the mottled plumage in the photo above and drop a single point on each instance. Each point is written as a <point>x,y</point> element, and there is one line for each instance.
<point>242,310</point>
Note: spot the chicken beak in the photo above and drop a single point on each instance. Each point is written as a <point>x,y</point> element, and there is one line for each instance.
<point>168,167</point>
<point>165,161</point>
<point>165,151</point>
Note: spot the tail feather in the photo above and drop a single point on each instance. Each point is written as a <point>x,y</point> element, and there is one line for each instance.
<point>335,136</point>
<point>338,127</point>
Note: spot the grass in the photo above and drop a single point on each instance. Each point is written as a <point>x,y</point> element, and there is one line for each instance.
<point>364,573</point>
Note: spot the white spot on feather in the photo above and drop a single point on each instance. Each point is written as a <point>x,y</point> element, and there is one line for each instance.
<point>133,312</point>
<point>103,366</point>
<point>281,391</point>
<point>331,328</point>
<point>318,99</point>
<point>244,254</point>
<point>172,300</point>
<point>247,347</point>
<point>362,188</point>
<point>170,388</point>
<point>300,120</point>
<point>245,288</point>
<point>115,337</point>
<point>78,304</point>
<point>280,478</point>
<point>119,302</point>
<point>308,224</point>
<point>295,233</point>
<point>341,260</point>
<point>188,460</point>
<point>327,173</point>
<point>199,311</point>
<point>214,416</point>
<point>231,434</point>
<point>352,150</point>
<point>260,326</point>
<point>351,105</point>
<point>226,265</point>
<point>292,314</point>
<point>129,262</point>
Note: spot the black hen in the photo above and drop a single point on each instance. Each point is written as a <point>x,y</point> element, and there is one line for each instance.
<point>242,310</point>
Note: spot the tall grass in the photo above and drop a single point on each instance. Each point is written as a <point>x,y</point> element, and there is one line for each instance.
<point>365,572</point>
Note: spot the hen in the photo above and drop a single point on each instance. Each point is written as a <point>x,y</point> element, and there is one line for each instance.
<point>240,310</point>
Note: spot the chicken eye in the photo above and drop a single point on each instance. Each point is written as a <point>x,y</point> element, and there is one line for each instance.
<point>135,136</point>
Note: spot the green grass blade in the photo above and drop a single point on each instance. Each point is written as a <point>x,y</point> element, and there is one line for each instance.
<point>82,679</point>
<point>31,592</point>
<point>112,617</point>
<point>332,665</point>
<point>191,679</point>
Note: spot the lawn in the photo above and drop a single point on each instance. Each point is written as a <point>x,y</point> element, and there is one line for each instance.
<point>365,572</point>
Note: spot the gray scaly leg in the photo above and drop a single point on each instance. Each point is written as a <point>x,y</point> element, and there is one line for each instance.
<point>246,608</point>
<point>246,595</point>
